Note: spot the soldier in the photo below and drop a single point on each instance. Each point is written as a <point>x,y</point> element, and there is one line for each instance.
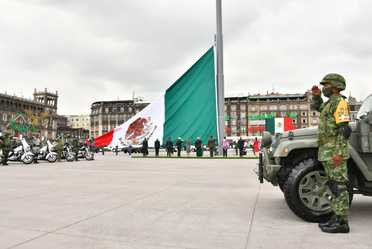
<point>5,146</point>
<point>169,147</point>
<point>157,147</point>
<point>198,146</point>
<point>36,148</point>
<point>188,146</point>
<point>179,146</point>
<point>59,148</point>
<point>75,147</point>
<point>116,150</point>
<point>211,146</point>
<point>145,147</point>
<point>333,135</point>
<point>241,146</point>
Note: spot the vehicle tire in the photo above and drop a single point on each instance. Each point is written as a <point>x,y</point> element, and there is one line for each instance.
<point>89,156</point>
<point>70,157</point>
<point>306,193</point>
<point>52,158</point>
<point>28,159</point>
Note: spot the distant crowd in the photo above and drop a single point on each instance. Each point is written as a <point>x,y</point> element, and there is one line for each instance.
<point>198,147</point>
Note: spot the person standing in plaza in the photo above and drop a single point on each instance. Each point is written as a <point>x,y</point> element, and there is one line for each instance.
<point>145,147</point>
<point>211,146</point>
<point>241,146</point>
<point>169,147</point>
<point>157,147</point>
<point>116,150</point>
<point>333,134</point>
<point>59,148</point>
<point>36,147</point>
<point>256,146</point>
<point>225,146</point>
<point>199,147</point>
<point>75,147</point>
<point>5,146</point>
<point>188,146</point>
<point>179,146</point>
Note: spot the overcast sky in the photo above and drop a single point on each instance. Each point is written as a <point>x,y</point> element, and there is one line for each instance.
<point>90,50</point>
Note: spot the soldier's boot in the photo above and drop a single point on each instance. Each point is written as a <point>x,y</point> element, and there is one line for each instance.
<point>328,222</point>
<point>339,225</point>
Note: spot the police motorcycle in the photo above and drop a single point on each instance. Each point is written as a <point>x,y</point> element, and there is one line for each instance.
<point>47,153</point>
<point>84,152</point>
<point>21,152</point>
<point>67,152</point>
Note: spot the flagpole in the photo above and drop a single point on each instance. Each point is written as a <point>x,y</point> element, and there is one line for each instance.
<point>220,77</point>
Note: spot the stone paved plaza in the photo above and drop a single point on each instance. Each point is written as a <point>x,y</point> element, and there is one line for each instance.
<point>133,203</point>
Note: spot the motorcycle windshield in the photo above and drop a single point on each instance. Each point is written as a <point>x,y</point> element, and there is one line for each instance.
<point>366,107</point>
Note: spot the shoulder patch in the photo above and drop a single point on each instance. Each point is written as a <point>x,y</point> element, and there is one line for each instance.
<point>342,113</point>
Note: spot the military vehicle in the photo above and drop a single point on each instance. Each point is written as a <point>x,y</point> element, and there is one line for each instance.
<point>289,160</point>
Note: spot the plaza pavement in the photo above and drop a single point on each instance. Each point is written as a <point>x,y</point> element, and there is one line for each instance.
<point>132,203</point>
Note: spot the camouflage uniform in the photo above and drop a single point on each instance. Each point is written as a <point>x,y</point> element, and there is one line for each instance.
<point>5,146</point>
<point>59,148</point>
<point>333,114</point>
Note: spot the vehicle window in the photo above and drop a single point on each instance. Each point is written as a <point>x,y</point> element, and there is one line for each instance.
<point>366,107</point>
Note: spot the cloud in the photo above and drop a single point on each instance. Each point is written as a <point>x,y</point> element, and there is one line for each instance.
<point>102,50</point>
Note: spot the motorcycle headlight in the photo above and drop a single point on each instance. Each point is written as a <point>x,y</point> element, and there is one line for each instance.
<point>266,139</point>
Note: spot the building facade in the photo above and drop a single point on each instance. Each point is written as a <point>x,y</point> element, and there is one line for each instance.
<point>106,115</point>
<point>245,116</point>
<point>78,121</point>
<point>25,116</point>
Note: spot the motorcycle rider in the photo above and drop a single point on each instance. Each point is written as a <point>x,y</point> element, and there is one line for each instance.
<point>76,147</point>
<point>36,147</point>
<point>59,148</point>
<point>5,145</point>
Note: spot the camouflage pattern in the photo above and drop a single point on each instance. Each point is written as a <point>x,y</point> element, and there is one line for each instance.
<point>5,146</point>
<point>340,202</point>
<point>335,80</point>
<point>329,140</point>
<point>332,143</point>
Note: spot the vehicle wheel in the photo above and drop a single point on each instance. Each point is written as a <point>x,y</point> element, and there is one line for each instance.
<point>28,159</point>
<point>306,192</point>
<point>52,158</point>
<point>89,156</point>
<point>70,157</point>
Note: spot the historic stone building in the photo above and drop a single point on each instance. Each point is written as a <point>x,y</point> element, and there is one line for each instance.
<point>106,115</point>
<point>37,115</point>
<point>79,121</point>
<point>245,116</point>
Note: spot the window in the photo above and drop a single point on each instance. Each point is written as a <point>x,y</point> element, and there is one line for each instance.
<point>242,107</point>
<point>252,108</point>
<point>233,107</point>
<point>283,107</point>
<point>263,108</point>
<point>273,107</point>
<point>304,121</point>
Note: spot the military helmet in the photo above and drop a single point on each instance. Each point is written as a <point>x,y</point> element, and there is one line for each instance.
<point>335,80</point>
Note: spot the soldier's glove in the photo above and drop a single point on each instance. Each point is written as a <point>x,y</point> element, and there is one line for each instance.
<point>337,160</point>
<point>345,131</point>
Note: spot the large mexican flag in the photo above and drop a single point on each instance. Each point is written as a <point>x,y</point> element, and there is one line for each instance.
<point>188,109</point>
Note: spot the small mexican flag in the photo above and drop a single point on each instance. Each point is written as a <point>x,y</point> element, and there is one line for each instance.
<point>279,125</point>
<point>188,109</point>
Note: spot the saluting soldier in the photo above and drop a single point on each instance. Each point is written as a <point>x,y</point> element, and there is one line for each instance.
<point>333,134</point>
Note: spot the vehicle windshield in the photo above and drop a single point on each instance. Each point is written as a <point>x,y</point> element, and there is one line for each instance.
<point>366,107</point>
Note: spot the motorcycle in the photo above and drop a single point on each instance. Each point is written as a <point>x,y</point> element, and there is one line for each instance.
<point>67,152</point>
<point>21,153</point>
<point>47,153</point>
<point>84,152</point>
